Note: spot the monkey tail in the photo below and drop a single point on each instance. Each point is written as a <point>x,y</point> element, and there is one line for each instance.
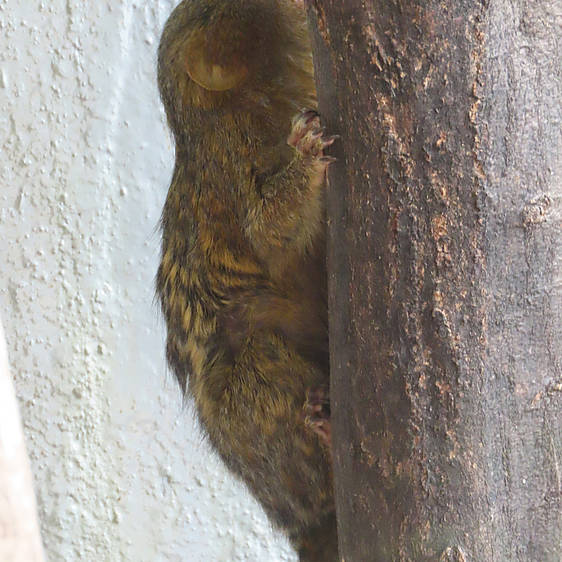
<point>319,543</point>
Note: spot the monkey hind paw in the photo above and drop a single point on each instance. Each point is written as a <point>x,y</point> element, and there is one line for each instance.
<point>317,413</point>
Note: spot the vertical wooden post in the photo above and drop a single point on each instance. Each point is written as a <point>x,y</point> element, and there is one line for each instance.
<point>445,271</point>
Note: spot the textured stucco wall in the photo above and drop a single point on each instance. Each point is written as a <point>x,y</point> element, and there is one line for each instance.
<point>120,469</point>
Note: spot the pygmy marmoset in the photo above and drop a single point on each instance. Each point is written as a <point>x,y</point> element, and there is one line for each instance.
<point>242,279</point>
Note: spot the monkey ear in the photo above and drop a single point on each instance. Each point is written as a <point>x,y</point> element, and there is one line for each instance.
<point>210,69</point>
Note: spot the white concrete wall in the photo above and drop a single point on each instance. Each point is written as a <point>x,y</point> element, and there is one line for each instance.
<point>120,469</point>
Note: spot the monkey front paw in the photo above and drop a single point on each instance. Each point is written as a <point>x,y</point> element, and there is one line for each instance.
<point>308,138</point>
<point>317,413</point>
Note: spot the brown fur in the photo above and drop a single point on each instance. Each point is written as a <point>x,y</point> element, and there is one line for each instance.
<point>242,280</point>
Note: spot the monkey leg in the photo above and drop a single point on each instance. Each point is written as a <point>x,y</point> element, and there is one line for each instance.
<point>252,409</point>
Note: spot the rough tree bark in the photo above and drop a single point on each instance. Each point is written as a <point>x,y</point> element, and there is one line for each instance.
<point>445,276</point>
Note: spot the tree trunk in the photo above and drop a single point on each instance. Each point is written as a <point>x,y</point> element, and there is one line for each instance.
<point>445,276</point>
<point>19,529</point>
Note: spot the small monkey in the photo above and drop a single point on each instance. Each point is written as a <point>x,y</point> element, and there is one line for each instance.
<point>242,279</point>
